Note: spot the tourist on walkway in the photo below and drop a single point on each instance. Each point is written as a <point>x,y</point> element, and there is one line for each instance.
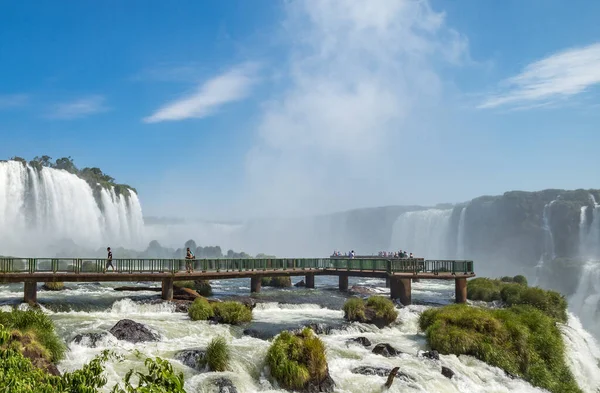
<point>189,264</point>
<point>109,260</point>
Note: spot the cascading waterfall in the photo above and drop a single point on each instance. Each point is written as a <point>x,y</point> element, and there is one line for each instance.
<point>425,233</point>
<point>589,234</point>
<point>548,250</point>
<point>460,238</point>
<point>42,208</point>
<point>585,302</point>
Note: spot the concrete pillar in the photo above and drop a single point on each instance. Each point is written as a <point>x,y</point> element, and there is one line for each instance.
<point>30,292</point>
<point>400,288</point>
<point>255,283</point>
<point>460,288</point>
<point>167,288</point>
<point>343,283</point>
<point>416,280</point>
<point>310,280</point>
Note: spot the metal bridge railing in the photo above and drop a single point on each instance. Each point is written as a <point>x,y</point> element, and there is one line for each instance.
<point>136,265</point>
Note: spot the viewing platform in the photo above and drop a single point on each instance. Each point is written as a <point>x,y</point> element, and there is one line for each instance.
<point>399,273</point>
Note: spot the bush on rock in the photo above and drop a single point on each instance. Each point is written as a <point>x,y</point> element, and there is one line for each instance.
<point>277,282</point>
<point>377,310</point>
<point>217,355</point>
<point>200,310</point>
<point>298,361</point>
<point>230,312</point>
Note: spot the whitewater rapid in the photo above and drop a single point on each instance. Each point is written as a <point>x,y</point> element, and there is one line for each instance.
<point>44,212</point>
<point>248,373</point>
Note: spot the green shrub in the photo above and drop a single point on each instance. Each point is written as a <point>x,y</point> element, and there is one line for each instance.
<point>551,303</point>
<point>277,282</point>
<point>521,340</point>
<point>54,286</point>
<point>203,287</point>
<point>217,355</point>
<point>296,360</point>
<point>40,328</point>
<point>233,313</point>
<point>520,279</point>
<point>184,284</point>
<point>159,378</point>
<point>354,310</point>
<point>484,289</point>
<point>200,310</point>
<point>506,279</point>
<point>384,308</point>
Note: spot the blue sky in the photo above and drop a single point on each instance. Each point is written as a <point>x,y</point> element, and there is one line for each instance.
<point>236,109</point>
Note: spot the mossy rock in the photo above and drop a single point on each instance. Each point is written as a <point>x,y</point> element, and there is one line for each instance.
<point>201,286</point>
<point>277,282</point>
<point>53,286</point>
<point>217,355</point>
<point>377,310</point>
<point>200,310</point>
<point>521,340</point>
<point>230,312</point>
<point>298,362</point>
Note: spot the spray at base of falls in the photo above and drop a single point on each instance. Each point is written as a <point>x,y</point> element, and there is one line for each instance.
<point>48,206</point>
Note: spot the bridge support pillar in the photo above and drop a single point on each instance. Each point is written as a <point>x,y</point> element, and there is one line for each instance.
<point>30,292</point>
<point>167,288</point>
<point>310,280</point>
<point>343,283</point>
<point>460,288</point>
<point>255,284</point>
<point>400,288</point>
<point>416,280</point>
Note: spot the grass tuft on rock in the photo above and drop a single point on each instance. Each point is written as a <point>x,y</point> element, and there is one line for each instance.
<point>277,282</point>
<point>384,308</point>
<point>516,292</point>
<point>200,310</point>
<point>296,360</point>
<point>233,313</point>
<point>35,328</point>
<point>201,286</point>
<point>54,286</point>
<point>354,310</point>
<point>521,340</point>
<point>377,310</point>
<point>217,355</point>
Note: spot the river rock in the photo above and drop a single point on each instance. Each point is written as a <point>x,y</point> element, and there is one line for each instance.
<point>190,357</point>
<point>327,385</point>
<point>370,370</point>
<point>318,328</point>
<point>446,372</point>
<point>360,340</point>
<point>434,355</point>
<point>224,385</point>
<point>261,334</point>
<point>131,331</point>
<point>89,339</point>
<point>300,283</point>
<point>386,350</point>
<point>355,289</point>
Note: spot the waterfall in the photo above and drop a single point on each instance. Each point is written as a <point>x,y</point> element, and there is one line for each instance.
<point>425,233</point>
<point>41,208</point>
<point>589,234</point>
<point>585,302</point>
<point>548,248</point>
<point>460,238</point>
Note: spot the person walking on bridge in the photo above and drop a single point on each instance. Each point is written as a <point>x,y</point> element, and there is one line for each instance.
<point>189,264</point>
<point>109,260</point>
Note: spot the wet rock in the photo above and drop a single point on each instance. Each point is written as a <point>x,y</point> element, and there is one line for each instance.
<point>390,379</point>
<point>247,301</point>
<point>190,357</point>
<point>181,305</point>
<point>386,350</point>
<point>434,355</point>
<point>369,370</point>
<point>54,286</point>
<point>89,339</point>
<point>355,289</point>
<point>224,385</point>
<point>131,331</point>
<point>318,328</point>
<point>327,385</point>
<point>510,375</point>
<point>446,372</point>
<point>300,283</point>
<point>263,335</point>
<point>138,289</point>
<point>360,340</point>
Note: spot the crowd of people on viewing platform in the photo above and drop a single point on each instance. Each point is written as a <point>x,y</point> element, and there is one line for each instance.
<point>384,254</point>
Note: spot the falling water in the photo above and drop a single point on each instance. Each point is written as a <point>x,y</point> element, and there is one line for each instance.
<point>548,250</point>
<point>460,238</point>
<point>40,209</point>
<point>585,302</point>
<point>589,234</point>
<point>425,233</point>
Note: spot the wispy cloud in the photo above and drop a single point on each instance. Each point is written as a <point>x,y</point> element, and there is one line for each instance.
<point>234,85</point>
<point>559,76</point>
<point>187,72</point>
<point>8,101</point>
<point>79,108</point>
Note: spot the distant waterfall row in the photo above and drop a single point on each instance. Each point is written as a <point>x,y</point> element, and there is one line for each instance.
<point>42,208</point>
<point>589,233</point>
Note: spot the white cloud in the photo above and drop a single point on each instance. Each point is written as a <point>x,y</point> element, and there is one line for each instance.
<point>13,100</point>
<point>79,108</point>
<point>559,76</point>
<point>361,84</point>
<point>234,85</point>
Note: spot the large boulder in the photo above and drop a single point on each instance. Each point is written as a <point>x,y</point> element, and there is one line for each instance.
<point>191,357</point>
<point>131,331</point>
<point>360,340</point>
<point>386,350</point>
<point>446,372</point>
<point>223,385</point>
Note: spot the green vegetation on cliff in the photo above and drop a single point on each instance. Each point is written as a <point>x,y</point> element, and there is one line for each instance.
<point>93,176</point>
<point>523,339</point>
<point>297,360</point>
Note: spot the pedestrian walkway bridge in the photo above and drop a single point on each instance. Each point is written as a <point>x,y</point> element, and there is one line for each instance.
<point>398,273</point>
